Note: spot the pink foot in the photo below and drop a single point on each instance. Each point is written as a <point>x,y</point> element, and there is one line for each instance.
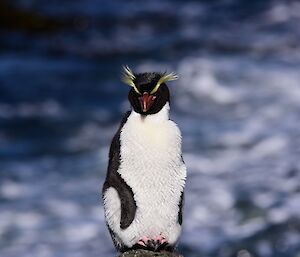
<point>155,244</point>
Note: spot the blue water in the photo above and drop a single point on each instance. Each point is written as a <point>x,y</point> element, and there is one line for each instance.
<point>237,103</point>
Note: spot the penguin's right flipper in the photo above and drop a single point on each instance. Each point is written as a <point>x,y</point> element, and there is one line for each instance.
<point>115,218</point>
<point>124,194</point>
<point>114,180</point>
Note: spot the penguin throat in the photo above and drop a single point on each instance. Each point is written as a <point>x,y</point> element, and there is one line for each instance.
<point>162,115</point>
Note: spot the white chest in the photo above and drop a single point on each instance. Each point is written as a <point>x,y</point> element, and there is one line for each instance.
<point>151,162</point>
<point>151,155</point>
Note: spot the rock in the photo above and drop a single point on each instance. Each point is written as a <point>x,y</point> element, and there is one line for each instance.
<point>144,253</point>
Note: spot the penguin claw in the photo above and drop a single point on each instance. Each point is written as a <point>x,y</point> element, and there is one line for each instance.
<point>151,245</point>
<point>161,243</point>
<point>142,243</point>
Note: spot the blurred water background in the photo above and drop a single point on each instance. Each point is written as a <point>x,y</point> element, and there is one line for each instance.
<point>237,103</point>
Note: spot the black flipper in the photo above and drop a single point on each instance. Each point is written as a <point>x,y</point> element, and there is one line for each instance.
<point>180,208</point>
<point>181,202</point>
<point>114,179</point>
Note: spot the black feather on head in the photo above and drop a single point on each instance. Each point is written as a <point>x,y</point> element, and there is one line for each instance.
<point>149,88</point>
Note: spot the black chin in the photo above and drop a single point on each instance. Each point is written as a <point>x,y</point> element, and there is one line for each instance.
<point>162,97</point>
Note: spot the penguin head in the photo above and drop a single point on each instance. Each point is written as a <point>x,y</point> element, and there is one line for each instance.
<point>149,92</point>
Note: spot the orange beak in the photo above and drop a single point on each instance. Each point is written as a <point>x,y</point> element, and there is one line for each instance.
<point>146,101</point>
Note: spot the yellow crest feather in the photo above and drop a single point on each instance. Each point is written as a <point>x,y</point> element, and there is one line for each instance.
<point>128,78</point>
<point>164,78</point>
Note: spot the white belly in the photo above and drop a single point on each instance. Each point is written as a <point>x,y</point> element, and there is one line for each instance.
<point>151,165</point>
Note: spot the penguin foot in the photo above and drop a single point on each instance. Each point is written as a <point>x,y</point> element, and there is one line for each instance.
<point>157,244</point>
<point>162,244</point>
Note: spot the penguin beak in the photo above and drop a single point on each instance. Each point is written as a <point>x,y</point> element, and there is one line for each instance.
<point>146,101</point>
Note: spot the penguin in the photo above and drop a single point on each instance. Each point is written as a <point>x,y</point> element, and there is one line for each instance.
<point>144,187</point>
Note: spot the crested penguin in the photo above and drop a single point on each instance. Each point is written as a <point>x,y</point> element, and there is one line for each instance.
<point>144,186</point>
